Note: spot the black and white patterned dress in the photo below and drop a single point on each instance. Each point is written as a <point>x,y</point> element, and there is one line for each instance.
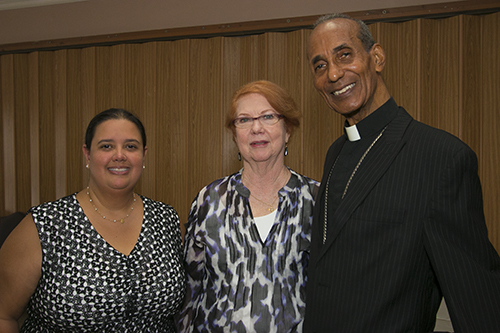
<point>88,286</point>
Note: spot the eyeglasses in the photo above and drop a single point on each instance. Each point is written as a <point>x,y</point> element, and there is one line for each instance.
<point>265,120</point>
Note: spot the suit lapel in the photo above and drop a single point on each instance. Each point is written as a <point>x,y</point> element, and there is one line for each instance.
<point>333,152</point>
<point>317,227</point>
<point>373,167</point>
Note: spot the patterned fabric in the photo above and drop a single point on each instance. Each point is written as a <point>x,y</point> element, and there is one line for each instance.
<point>88,286</point>
<point>236,282</point>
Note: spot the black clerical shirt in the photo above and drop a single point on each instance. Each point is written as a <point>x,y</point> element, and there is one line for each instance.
<point>351,153</point>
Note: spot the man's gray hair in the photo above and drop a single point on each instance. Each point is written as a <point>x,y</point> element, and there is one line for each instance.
<point>364,34</point>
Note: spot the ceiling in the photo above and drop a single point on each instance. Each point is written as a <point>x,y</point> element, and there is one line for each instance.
<point>16,4</point>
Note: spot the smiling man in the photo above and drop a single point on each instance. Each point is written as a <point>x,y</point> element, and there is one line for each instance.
<point>398,221</point>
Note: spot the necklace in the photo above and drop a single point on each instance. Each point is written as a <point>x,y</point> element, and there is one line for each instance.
<point>325,222</point>
<point>104,217</point>
<point>271,206</point>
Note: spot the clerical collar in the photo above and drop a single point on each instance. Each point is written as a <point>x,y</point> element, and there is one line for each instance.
<point>352,133</point>
<point>374,123</point>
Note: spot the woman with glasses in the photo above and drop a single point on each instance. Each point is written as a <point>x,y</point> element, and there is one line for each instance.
<point>248,234</point>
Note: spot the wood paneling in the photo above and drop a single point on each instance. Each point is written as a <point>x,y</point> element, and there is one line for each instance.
<point>245,60</point>
<point>284,67</point>
<point>140,98</point>
<point>440,80</point>
<point>172,114</point>
<point>47,87</point>
<point>110,77</point>
<point>33,128</point>
<point>489,53</point>
<point>445,72</point>
<point>87,101</point>
<point>21,134</point>
<point>471,89</point>
<point>60,121</point>
<point>9,203</point>
<point>204,162</point>
<point>75,120</point>
<point>401,44</point>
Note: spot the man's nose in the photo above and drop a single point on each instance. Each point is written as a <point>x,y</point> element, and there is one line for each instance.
<point>335,73</point>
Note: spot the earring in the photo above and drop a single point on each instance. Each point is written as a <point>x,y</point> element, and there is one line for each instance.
<point>144,167</point>
<point>239,156</point>
<point>87,166</point>
<point>286,149</point>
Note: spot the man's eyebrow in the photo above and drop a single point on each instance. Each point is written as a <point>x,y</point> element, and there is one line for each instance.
<point>340,47</point>
<point>316,59</point>
<point>335,50</point>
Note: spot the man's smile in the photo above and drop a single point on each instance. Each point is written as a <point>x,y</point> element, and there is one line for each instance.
<point>343,90</point>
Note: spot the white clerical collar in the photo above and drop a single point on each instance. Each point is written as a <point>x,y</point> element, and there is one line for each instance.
<point>352,133</point>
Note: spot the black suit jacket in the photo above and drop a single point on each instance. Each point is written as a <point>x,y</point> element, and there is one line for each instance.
<point>409,230</point>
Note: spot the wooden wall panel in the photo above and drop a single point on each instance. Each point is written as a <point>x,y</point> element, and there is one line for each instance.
<point>205,113</point>
<point>75,122</point>
<point>110,77</point>
<point>388,35</point>
<point>244,61</point>
<point>172,173</point>
<point>284,53</point>
<point>445,72</point>
<point>429,70</point>
<point>60,121</point>
<point>490,152</point>
<point>448,83</point>
<point>236,72</point>
<point>409,94</point>
<point>470,93</point>
<point>439,80</point>
<point>21,134</point>
<point>34,131</point>
<point>401,44</point>
<point>87,99</point>
<point>8,148</point>
<point>47,126</point>
<point>105,82</point>
<point>140,98</point>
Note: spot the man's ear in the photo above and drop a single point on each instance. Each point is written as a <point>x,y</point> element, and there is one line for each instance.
<point>378,55</point>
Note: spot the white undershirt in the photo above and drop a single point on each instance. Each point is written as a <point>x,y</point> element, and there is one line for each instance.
<point>264,224</point>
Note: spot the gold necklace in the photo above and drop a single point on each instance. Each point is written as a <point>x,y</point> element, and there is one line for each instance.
<point>271,206</point>
<point>104,217</point>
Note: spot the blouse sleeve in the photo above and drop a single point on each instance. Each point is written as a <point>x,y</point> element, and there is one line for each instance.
<point>194,264</point>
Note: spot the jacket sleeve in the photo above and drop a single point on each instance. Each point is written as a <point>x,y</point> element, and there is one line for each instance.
<point>466,264</point>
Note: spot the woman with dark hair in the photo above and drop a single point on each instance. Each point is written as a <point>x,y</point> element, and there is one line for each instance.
<point>104,259</point>
<point>247,237</point>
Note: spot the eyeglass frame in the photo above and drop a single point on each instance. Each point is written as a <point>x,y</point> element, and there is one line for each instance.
<point>278,116</point>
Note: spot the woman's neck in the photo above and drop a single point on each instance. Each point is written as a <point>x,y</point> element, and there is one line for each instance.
<point>114,200</point>
<point>265,177</point>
